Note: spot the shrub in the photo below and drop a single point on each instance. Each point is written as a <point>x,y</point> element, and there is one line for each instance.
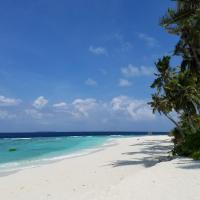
<point>190,146</point>
<point>196,155</point>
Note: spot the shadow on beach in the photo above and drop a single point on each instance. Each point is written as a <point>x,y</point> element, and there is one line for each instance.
<point>186,163</point>
<point>151,153</point>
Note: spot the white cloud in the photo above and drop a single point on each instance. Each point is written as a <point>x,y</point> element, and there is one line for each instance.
<point>61,107</point>
<point>83,106</point>
<point>6,115</point>
<point>40,102</point>
<point>90,82</point>
<point>140,111</point>
<point>98,50</point>
<point>136,109</point>
<point>118,103</point>
<point>120,106</point>
<point>150,41</point>
<point>118,113</point>
<point>124,83</point>
<point>4,101</point>
<point>131,71</point>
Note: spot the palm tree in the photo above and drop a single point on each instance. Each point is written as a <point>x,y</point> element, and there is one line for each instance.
<point>178,87</point>
<point>184,21</point>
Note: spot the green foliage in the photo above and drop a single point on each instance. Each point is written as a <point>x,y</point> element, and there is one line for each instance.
<point>177,88</point>
<point>196,155</point>
<point>190,146</point>
<point>177,136</point>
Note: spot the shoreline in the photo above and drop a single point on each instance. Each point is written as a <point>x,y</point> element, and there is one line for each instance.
<point>38,162</point>
<point>131,169</point>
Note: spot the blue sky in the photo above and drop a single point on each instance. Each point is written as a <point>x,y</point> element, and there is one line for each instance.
<point>80,64</point>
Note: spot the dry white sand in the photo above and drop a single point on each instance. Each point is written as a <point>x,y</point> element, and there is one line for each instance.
<point>130,170</point>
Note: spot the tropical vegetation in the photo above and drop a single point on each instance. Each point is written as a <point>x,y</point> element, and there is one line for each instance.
<point>177,82</point>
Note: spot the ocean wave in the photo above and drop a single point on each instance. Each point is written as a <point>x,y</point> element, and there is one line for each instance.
<point>75,136</point>
<point>19,138</point>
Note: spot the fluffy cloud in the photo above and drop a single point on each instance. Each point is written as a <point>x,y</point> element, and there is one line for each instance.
<point>61,107</point>
<point>4,101</point>
<point>98,50</point>
<point>136,109</point>
<point>150,41</point>
<point>124,83</point>
<point>40,102</point>
<point>90,82</point>
<point>118,113</point>
<point>131,71</point>
<point>83,106</point>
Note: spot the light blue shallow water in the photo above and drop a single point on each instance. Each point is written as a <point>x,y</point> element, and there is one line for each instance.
<point>34,151</point>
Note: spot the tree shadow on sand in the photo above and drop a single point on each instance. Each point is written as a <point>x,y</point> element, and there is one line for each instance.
<point>151,153</point>
<point>186,163</point>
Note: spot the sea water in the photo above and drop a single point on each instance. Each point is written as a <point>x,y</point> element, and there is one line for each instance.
<point>18,153</point>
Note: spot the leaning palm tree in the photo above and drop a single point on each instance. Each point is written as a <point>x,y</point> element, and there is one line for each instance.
<point>178,87</point>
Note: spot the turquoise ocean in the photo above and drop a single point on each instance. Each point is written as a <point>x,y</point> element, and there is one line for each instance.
<point>19,153</point>
<point>23,150</point>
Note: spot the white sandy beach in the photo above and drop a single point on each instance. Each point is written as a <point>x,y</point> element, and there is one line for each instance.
<point>129,170</point>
